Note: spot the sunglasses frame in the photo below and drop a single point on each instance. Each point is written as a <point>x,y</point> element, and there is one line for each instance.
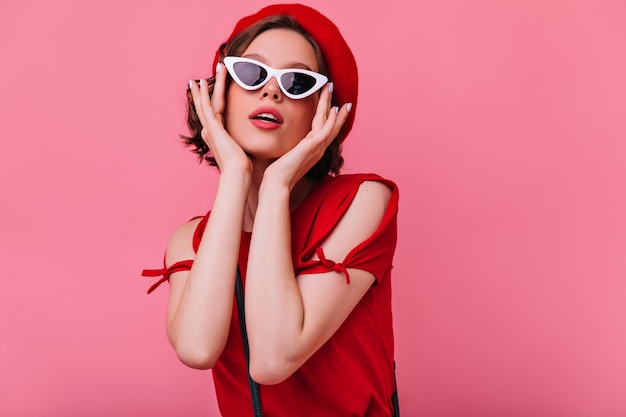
<point>320,80</point>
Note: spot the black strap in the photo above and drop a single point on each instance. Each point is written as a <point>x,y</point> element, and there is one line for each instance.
<point>254,387</point>
<point>394,396</point>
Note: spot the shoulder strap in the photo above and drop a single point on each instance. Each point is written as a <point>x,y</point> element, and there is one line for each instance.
<point>254,387</point>
<point>394,397</point>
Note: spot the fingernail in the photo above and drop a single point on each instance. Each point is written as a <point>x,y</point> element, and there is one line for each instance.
<point>218,67</point>
<point>349,107</point>
<point>190,84</point>
<point>331,86</point>
<point>201,82</point>
<point>336,110</point>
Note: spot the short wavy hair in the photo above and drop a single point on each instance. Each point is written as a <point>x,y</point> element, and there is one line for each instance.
<point>330,163</point>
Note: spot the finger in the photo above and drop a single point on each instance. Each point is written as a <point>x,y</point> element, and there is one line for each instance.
<point>205,102</point>
<point>342,116</point>
<point>323,106</point>
<point>195,95</point>
<point>336,119</point>
<point>219,89</point>
<point>323,134</point>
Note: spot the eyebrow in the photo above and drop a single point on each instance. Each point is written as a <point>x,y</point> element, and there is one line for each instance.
<point>294,64</point>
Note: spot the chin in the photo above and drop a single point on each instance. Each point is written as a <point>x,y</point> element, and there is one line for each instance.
<point>265,154</point>
<point>265,144</point>
<point>264,148</point>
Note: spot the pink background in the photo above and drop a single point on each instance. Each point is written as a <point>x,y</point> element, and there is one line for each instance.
<point>502,122</point>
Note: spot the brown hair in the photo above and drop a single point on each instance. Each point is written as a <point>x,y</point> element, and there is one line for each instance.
<point>332,160</point>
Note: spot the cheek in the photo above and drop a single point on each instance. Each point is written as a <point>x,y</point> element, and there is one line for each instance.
<point>304,123</point>
<point>308,112</point>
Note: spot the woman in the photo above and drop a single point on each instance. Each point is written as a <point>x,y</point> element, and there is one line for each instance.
<point>314,248</point>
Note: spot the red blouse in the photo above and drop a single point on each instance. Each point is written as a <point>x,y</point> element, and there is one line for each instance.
<point>352,373</point>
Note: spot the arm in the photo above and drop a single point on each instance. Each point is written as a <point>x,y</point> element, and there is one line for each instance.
<point>290,318</point>
<point>200,302</point>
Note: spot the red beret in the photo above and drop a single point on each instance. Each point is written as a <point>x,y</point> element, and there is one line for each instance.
<point>338,57</point>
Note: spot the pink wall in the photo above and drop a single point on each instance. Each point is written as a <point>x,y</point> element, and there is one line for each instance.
<point>503,123</point>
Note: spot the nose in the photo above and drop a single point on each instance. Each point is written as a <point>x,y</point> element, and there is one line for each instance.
<point>272,90</point>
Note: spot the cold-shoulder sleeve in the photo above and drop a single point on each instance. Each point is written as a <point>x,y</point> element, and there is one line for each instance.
<point>184,265</point>
<point>374,255</point>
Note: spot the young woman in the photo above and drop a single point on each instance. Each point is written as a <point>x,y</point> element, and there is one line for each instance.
<point>314,248</point>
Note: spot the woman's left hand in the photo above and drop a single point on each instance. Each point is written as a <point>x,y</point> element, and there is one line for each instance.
<point>326,124</point>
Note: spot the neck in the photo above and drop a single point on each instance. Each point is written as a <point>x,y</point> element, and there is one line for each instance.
<point>299,192</point>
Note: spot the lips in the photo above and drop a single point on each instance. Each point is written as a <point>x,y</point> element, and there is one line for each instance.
<point>267,115</point>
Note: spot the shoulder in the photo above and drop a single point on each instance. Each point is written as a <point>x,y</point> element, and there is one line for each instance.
<point>374,204</point>
<point>371,204</point>
<point>367,197</point>
<point>180,245</point>
<point>371,196</point>
<point>364,188</point>
<point>354,181</point>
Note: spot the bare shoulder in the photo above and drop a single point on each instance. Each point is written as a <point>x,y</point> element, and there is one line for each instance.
<point>373,192</point>
<point>180,245</point>
<point>369,204</point>
<point>361,220</point>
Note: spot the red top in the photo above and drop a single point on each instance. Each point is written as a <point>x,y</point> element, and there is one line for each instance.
<point>352,373</point>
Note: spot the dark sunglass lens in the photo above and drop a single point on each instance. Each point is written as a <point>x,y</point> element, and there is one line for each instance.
<point>250,74</point>
<point>297,83</point>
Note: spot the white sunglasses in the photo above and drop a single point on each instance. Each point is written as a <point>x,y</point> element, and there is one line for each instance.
<point>295,83</point>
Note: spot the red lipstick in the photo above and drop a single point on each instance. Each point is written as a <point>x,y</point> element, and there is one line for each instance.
<point>266,118</point>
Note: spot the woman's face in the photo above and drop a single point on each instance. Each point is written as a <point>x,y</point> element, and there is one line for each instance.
<point>260,138</point>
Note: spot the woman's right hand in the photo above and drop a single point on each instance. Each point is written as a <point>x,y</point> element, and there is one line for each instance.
<point>227,153</point>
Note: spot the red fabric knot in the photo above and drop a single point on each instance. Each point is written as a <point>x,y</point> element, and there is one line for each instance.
<point>156,273</point>
<point>332,265</point>
<point>166,272</point>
